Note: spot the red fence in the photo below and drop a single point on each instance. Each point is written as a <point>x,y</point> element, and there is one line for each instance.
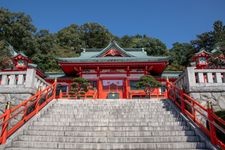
<point>212,125</point>
<point>91,94</point>
<point>15,117</point>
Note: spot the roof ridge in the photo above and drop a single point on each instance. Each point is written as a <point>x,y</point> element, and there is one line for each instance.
<point>110,45</point>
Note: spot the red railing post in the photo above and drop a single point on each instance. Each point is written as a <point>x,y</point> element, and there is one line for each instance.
<point>182,101</point>
<point>38,99</point>
<point>167,88</point>
<point>60,94</point>
<point>54,88</point>
<point>212,130</point>
<point>6,123</point>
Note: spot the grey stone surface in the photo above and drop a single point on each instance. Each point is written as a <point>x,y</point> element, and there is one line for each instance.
<point>195,95</point>
<point>221,102</point>
<point>108,124</point>
<point>15,99</point>
<point>216,95</point>
<point>204,85</point>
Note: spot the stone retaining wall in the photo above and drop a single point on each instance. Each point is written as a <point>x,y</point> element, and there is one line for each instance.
<point>17,86</point>
<point>204,85</point>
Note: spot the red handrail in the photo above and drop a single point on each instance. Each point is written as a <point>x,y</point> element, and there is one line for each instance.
<point>13,118</point>
<point>204,117</point>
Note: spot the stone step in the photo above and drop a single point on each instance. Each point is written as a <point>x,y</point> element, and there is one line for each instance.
<point>93,107</point>
<point>107,111</point>
<point>14,148</point>
<point>110,113</point>
<point>119,105</point>
<point>83,120</point>
<point>117,124</point>
<point>108,124</point>
<point>67,139</point>
<point>111,101</point>
<point>110,134</point>
<point>148,116</point>
<point>112,117</point>
<point>93,128</point>
<point>59,145</point>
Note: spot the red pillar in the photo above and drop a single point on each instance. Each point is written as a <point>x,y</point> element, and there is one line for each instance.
<point>126,88</point>
<point>80,72</point>
<point>99,88</point>
<point>145,70</point>
<point>212,129</point>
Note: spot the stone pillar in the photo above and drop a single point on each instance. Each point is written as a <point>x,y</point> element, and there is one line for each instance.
<point>12,79</point>
<point>191,81</point>
<point>201,77</point>
<point>209,77</point>
<point>218,77</point>
<point>20,79</point>
<point>4,80</point>
<point>30,78</point>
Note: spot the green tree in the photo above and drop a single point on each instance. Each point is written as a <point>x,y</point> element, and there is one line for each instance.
<point>5,55</point>
<point>18,30</point>
<point>208,40</point>
<point>45,41</point>
<point>45,62</point>
<point>219,31</point>
<point>181,54</point>
<point>95,35</point>
<point>79,86</point>
<point>70,37</point>
<point>152,46</point>
<point>148,82</point>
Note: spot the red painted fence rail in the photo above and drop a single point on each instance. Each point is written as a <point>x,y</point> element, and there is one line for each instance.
<point>204,117</point>
<point>13,118</point>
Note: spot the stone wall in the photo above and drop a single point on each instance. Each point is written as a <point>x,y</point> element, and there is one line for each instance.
<point>15,99</point>
<point>17,86</point>
<point>204,85</point>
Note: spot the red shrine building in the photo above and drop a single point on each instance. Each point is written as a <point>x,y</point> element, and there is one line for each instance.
<point>113,71</point>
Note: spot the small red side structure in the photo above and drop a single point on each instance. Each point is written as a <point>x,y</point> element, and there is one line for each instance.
<point>201,59</point>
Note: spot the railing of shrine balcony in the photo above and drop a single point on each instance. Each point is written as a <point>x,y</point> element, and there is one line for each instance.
<point>17,116</point>
<point>212,125</point>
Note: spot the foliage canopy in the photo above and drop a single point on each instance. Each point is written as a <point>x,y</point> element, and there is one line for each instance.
<point>42,46</point>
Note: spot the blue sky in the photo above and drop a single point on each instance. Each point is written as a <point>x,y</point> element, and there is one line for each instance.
<point>169,20</point>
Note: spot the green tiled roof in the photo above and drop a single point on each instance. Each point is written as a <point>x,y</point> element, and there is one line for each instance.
<point>113,59</point>
<point>129,55</point>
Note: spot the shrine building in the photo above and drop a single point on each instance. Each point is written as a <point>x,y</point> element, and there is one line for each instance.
<point>113,71</point>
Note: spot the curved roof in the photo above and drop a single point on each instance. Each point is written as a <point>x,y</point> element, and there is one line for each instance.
<point>126,55</point>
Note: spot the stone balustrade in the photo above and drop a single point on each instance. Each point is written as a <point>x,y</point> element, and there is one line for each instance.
<point>181,81</point>
<point>205,80</point>
<point>204,85</point>
<point>21,81</point>
<point>17,86</point>
<point>12,78</point>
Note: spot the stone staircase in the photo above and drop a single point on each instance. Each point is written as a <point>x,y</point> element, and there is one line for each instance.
<point>108,124</point>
